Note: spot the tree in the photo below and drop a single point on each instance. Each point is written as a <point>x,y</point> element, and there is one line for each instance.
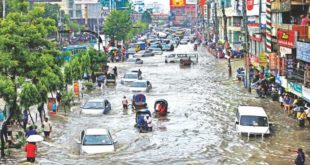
<point>51,11</point>
<point>139,27</point>
<point>147,16</point>
<point>118,24</point>
<point>97,59</point>
<point>26,54</point>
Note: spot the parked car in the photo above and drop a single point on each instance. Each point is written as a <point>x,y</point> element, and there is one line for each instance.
<point>156,51</point>
<point>252,120</point>
<point>96,107</point>
<point>95,141</point>
<point>130,77</point>
<point>140,86</point>
<point>144,53</point>
<point>135,60</point>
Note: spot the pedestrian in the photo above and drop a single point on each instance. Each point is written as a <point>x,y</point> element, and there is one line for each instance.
<point>115,71</point>
<point>25,119</point>
<point>300,159</point>
<point>31,131</point>
<point>139,73</point>
<point>58,97</point>
<point>47,128</point>
<point>54,106</point>
<point>301,116</point>
<point>125,103</point>
<point>31,151</point>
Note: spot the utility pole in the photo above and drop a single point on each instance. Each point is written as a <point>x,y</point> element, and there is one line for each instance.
<point>3,7</point>
<point>226,44</point>
<point>215,22</point>
<point>247,77</point>
<point>86,16</point>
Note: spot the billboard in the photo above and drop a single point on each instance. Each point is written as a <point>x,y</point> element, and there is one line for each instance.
<point>85,1</point>
<point>191,2</point>
<point>177,3</point>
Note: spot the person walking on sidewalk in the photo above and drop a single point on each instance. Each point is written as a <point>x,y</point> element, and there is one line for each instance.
<point>25,119</point>
<point>31,151</point>
<point>125,103</point>
<point>47,128</point>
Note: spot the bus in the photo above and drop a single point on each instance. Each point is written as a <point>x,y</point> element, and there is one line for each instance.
<point>72,51</point>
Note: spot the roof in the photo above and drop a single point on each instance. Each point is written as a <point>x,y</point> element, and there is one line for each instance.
<point>96,100</point>
<point>251,111</point>
<point>140,81</point>
<point>96,131</point>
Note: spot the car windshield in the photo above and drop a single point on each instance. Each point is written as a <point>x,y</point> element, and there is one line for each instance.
<point>137,84</point>
<point>97,140</point>
<point>93,105</point>
<point>254,121</point>
<point>131,60</point>
<point>131,76</point>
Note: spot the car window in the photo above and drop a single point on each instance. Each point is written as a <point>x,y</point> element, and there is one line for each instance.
<point>93,105</point>
<point>131,76</point>
<point>97,140</point>
<point>137,84</point>
<point>253,121</point>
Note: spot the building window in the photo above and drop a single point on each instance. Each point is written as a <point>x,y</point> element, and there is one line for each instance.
<point>78,7</point>
<point>71,2</point>
<point>78,13</point>
<point>71,13</point>
<point>237,22</point>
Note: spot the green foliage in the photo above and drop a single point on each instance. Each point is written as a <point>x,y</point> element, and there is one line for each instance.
<point>76,69</point>
<point>97,59</point>
<point>89,85</point>
<point>51,11</point>
<point>118,24</point>
<point>29,95</point>
<point>85,62</point>
<point>70,24</point>
<point>26,54</point>
<point>135,31</point>
<point>147,17</point>
<point>68,74</point>
<point>67,98</point>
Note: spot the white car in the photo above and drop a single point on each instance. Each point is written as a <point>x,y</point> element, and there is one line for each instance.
<point>156,51</point>
<point>252,120</point>
<point>130,77</point>
<point>140,86</point>
<point>96,107</point>
<point>95,141</point>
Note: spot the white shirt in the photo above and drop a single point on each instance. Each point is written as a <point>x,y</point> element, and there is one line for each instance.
<point>125,101</point>
<point>148,121</point>
<point>47,126</point>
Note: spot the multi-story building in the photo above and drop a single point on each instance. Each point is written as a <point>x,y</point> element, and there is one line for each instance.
<point>291,45</point>
<point>186,15</point>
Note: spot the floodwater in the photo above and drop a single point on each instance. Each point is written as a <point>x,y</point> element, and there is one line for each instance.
<point>198,130</point>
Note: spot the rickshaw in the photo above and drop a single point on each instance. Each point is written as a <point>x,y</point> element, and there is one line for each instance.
<point>139,101</point>
<point>140,122</point>
<point>111,79</point>
<point>161,107</point>
<point>185,62</point>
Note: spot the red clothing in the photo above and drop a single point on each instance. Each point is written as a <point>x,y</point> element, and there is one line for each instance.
<point>31,150</point>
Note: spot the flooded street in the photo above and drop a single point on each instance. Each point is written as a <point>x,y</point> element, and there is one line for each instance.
<point>198,130</point>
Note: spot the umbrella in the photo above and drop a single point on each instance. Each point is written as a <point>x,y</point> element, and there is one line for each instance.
<point>112,48</point>
<point>34,138</point>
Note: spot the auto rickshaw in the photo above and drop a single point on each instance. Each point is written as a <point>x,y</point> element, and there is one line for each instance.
<point>111,79</point>
<point>139,101</point>
<point>161,107</point>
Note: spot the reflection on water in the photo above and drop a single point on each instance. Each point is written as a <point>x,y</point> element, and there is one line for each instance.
<point>198,130</point>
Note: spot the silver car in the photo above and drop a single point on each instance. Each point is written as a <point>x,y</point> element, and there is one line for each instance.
<point>96,107</point>
<point>156,51</point>
<point>144,53</point>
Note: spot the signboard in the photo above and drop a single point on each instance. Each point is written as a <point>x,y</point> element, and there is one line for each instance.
<point>306,93</point>
<point>191,2</point>
<point>295,88</point>
<point>249,5</point>
<point>85,1</point>
<point>262,59</point>
<point>303,51</point>
<point>289,64</point>
<point>286,38</point>
<point>177,3</point>
<point>285,5</point>
<point>284,51</point>
<point>273,61</point>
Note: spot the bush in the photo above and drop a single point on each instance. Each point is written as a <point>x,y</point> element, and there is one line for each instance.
<point>88,85</point>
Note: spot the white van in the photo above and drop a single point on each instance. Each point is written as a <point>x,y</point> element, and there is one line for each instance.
<point>252,120</point>
<point>175,57</point>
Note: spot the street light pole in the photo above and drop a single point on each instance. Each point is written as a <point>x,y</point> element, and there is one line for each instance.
<point>3,9</point>
<point>247,78</point>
